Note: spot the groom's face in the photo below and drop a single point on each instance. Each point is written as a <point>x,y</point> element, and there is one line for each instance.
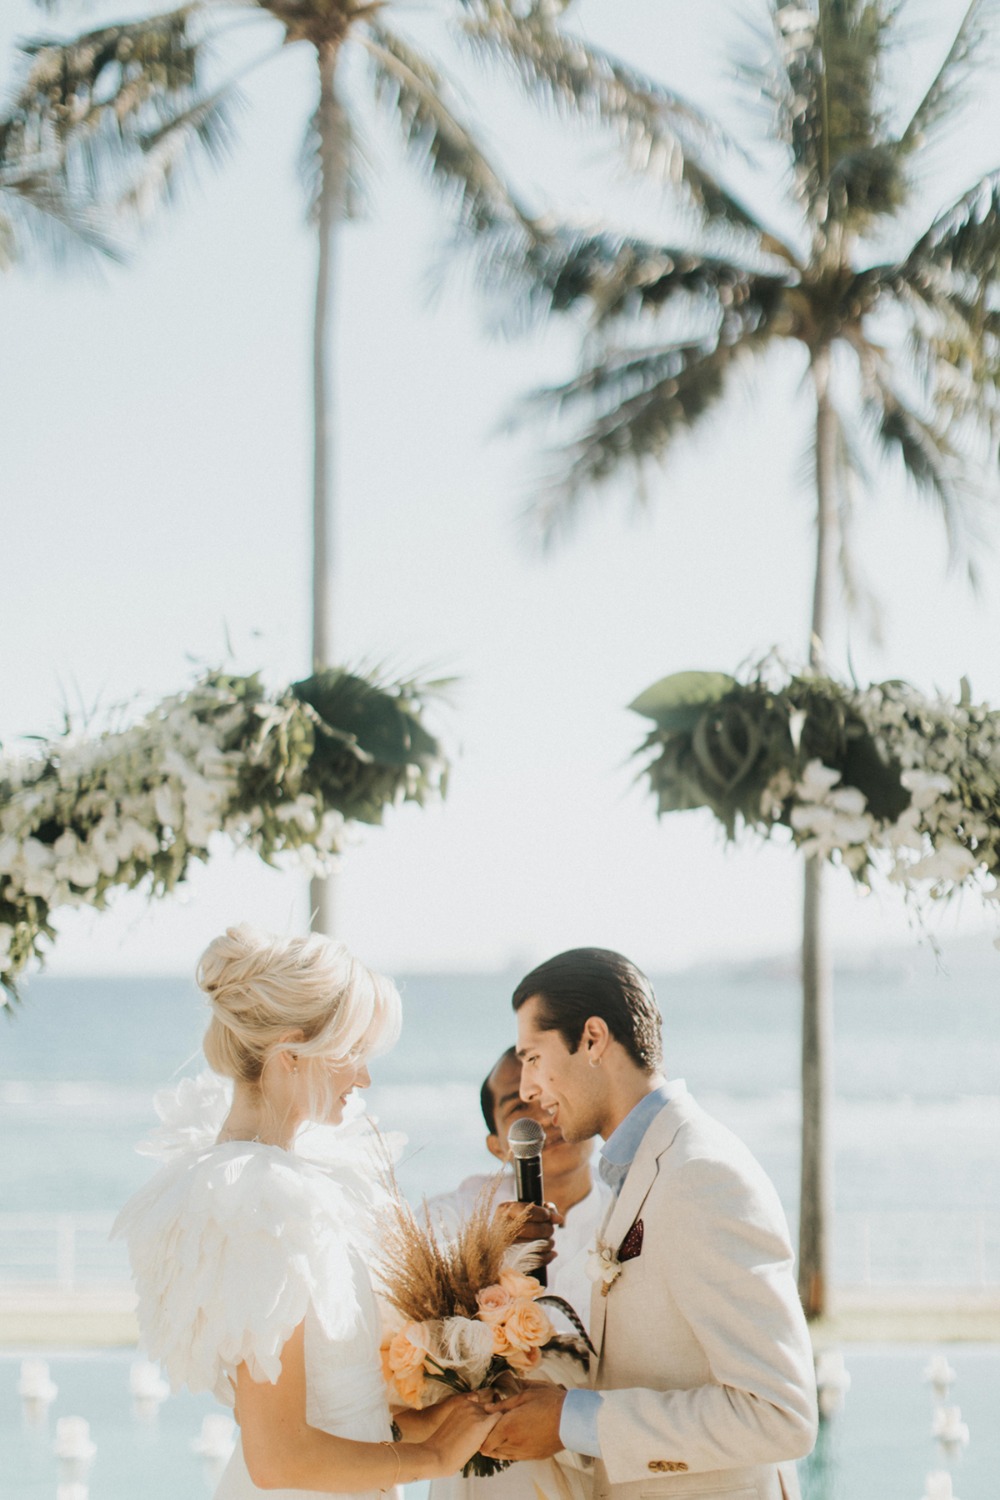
<point>561,1081</point>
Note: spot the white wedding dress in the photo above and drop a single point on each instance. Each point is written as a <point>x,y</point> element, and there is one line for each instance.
<point>233,1245</point>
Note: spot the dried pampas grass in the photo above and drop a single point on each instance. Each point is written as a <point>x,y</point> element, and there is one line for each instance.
<point>425,1276</point>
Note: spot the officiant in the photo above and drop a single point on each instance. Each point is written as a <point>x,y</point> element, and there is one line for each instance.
<point>580,1199</point>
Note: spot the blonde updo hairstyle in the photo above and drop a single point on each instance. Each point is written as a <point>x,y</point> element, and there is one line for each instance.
<point>261,988</point>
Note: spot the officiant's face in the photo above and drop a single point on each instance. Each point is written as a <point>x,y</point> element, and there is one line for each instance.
<point>561,1082</point>
<point>558,1155</point>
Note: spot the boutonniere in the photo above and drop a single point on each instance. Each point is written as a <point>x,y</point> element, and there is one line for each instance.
<point>604,1266</point>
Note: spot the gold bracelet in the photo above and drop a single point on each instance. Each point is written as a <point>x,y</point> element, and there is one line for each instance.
<point>385,1443</point>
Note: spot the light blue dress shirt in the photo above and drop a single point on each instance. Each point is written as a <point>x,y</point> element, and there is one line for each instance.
<point>578,1420</point>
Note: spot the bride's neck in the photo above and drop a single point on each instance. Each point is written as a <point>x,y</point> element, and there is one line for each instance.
<point>252,1118</point>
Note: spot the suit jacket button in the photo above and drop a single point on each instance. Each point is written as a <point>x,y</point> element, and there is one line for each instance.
<point>667,1466</point>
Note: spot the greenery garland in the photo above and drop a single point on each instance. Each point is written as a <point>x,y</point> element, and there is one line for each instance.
<point>83,816</point>
<point>879,777</point>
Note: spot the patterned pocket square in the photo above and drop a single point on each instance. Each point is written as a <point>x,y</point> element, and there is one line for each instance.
<point>631,1245</point>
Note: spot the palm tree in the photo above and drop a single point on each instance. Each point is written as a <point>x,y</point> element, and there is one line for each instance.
<point>44,213</point>
<point>126,103</point>
<point>902,349</point>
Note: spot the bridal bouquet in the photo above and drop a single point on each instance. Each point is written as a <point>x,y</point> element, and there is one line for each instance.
<point>467,1314</point>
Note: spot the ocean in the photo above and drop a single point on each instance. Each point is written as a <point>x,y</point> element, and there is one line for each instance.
<point>916,1118</point>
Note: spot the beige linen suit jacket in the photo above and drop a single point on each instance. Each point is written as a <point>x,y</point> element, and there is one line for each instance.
<point>702,1356</point>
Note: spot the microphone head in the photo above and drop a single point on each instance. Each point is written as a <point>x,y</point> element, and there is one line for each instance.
<point>525,1138</point>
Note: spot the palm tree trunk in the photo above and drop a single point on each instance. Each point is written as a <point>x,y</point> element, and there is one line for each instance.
<point>331,191</point>
<point>816,1188</point>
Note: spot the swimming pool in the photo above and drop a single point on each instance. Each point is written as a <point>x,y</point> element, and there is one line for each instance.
<point>879,1448</point>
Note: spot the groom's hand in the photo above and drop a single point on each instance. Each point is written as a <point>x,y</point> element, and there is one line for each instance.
<point>529,1426</point>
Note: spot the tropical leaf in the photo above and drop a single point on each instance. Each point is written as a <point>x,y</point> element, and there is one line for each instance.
<point>417,94</point>
<point>123,102</point>
<point>616,275</point>
<point>947,90</point>
<point>644,402</point>
<point>930,460</point>
<point>663,132</point>
<point>965,238</point>
<point>38,213</point>
<point>677,701</point>
<point>822,80</point>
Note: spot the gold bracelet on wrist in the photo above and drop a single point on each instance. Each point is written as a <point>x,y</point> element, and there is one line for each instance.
<point>385,1443</point>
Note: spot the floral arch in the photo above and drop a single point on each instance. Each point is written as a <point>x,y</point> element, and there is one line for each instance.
<point>873,778</point>
<point>82,816</point>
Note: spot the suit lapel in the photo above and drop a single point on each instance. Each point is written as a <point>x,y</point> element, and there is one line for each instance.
<point>624,1212</point>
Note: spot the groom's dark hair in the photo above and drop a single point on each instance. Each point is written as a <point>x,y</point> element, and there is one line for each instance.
<point>586,982</point>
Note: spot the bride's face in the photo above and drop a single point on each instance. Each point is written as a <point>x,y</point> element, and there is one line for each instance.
<point>342,1078</point>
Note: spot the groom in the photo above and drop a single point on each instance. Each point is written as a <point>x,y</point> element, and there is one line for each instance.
<point>703,1379</point>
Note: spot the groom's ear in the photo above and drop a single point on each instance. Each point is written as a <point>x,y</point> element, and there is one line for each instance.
<point>494,1146</point>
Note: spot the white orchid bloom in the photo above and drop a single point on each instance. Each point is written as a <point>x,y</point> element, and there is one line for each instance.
<point>847,830</point>
<point>925,787</point>
<point>848,799</point>
<point>168,805</point>
<point>816,781</point>
<point>948,862</point>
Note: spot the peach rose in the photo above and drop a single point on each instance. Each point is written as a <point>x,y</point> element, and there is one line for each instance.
<point>411,1384</point>
<point>501,1343</point>
<point>516,1285</point>
<point>527,1326</point>
<point>493,1302</point>
<point>405,1354</point>
<point>523,1360</point>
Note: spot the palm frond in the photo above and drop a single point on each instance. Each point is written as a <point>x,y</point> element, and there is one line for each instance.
<point>643,403</point>
<point>123,101</point>
<point>417,94</point>
<point>953,338</point>
<point>930,460</point>
<point>852,473</point>
<point>965,238</point>
<point>947,90</point>
<point>38,218</point>
<point>663,132</point>
<point>39,212</point>
<point>823,84</point>
<point>615,276</point>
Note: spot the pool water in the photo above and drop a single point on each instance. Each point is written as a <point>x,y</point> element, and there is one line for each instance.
<point>878,1448</point>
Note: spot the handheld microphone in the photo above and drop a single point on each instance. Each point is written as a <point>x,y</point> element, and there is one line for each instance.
<point>526,1138</point>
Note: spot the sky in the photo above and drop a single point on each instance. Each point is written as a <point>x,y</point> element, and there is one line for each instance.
<point>154,492</point>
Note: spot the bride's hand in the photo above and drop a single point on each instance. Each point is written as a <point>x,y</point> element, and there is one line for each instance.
<point>460,1435</point>
<point>417,1426</point>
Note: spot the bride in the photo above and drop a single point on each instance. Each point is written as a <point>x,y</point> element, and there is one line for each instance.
<point>249,1258</point>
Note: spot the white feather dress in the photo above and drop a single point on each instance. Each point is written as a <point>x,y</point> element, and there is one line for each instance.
<point>233,1245</point>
